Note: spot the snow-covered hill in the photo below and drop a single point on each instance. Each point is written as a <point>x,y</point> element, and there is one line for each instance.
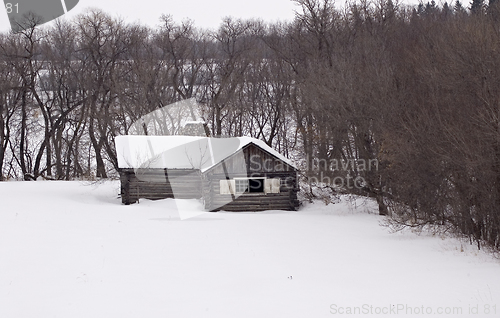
<point>69,249</point>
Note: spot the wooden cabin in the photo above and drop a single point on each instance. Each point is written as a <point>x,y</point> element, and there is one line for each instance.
<point>231,174</point>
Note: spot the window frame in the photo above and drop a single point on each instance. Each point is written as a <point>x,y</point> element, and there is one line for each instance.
<point>248,185</point>
<point>270,185</point>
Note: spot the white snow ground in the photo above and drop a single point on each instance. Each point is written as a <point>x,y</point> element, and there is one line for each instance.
<point>69,249</point>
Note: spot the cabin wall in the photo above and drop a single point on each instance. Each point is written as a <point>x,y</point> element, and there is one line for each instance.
<point>252,163</point>
<point>157,184</point>
<point>251,159</point>
<point>286,199</point>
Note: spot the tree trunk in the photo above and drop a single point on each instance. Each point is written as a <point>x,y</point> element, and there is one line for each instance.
<point>101,168</point>
<point>22,143</point>
<point>382,207</point>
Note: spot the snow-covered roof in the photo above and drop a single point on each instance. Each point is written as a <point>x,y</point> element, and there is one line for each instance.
<point>182,152</point>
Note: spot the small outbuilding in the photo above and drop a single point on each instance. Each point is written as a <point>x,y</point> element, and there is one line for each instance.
<point>231,174</point>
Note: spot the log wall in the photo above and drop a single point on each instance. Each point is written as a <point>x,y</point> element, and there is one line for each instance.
<point>157,184</point>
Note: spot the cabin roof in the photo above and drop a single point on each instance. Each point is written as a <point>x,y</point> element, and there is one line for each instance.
<point>182,152</point>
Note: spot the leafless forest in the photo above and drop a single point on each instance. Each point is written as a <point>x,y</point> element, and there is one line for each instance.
<point>415,89</point>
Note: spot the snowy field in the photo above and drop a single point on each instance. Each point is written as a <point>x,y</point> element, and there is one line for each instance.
<point>70,249</point>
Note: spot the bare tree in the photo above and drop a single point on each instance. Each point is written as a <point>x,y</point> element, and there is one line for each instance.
<point>102,49</point>
<point>226,67</point>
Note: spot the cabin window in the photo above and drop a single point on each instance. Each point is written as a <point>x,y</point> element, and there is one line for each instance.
<point>250,185</point>
<point>241,185</point>
<point>256,185</point>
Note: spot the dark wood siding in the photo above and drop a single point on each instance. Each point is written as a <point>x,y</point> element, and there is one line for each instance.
<point>253,160</point>
<point>285,200</point>
<point>256,163</point>
<point>156,184</point>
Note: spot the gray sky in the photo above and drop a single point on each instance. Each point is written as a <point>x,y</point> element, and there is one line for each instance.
<point>204,13</point>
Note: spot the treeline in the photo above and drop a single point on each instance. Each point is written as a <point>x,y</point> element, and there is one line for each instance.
<point>414,89</point>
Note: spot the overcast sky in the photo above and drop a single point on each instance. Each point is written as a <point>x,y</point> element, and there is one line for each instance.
<point>204,13</point>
